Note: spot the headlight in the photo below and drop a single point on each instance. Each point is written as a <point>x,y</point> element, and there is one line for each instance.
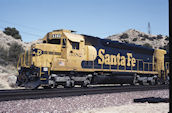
<point>45,69</point>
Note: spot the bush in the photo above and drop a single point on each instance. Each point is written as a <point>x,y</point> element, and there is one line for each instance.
<point>159,36</point>
<point>135,39</point>
<point>3,53</point>
<point>154,37</point>
<point>125,41</point>
<point>150,38</point>
<point>140,35</point>
<point>143,39</point>
<point>147,45</point>
<point>124,36</point>
<point>167,38</point>
<point>166,47</point>
<point>12,32</point>
<point>146,36</point>
<point>14,51</point>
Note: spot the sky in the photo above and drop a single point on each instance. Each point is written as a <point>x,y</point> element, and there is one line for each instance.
<point>100,18</point>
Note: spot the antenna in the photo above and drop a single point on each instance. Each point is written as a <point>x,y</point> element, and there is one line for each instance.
<point>149,28</point>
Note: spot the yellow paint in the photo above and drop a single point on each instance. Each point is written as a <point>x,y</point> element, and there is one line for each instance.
<point>123,61</point>
<point>43,79</point>
<point>129,59</point>
<point>133,62</point>
<point>107,59</point>
<point>113,60</point>
<point>159,56</point>
<point>101,60</point>
<point>90,52</point>
<point>116,59</point>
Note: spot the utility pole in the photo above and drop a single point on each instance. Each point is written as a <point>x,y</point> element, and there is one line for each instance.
<point>149,28</point>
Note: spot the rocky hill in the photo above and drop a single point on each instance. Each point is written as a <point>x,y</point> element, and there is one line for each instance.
<point>140,38</point>
<point>7,67</point>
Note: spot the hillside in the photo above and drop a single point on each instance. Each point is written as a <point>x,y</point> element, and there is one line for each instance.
<point>140,38</point>
<point>7,66</point>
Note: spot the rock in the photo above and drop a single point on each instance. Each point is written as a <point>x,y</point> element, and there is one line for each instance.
<point>12,81</point>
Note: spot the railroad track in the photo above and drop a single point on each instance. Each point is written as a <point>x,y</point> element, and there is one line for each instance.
<point>7,95</point>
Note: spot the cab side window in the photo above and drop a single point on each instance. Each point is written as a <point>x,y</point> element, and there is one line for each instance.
<point>54,41</point>
<point>64,43</point>
<point>75,45</point>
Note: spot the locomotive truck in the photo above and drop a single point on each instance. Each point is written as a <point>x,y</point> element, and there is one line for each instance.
<point>69,59</point>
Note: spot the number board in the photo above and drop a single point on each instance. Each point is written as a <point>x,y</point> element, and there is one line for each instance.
<point>56,35</point>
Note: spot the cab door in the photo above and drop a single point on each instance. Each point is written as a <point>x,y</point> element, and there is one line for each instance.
<point>76,54</point>
<point>74,50</point>
<point>64,48</point>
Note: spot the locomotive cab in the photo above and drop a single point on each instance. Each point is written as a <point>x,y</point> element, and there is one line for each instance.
<point>60,51</point>
<point>71,46</point>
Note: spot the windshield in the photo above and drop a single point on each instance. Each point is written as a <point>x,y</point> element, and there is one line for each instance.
<point>54,41</point>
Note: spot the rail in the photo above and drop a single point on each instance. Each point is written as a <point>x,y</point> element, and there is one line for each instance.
<point>7,95</point>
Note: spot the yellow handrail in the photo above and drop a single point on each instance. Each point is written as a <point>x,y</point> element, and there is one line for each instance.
<point>40,71</point>
<point>19,61</point>
<point>25,58</point>
<point>29,60</point>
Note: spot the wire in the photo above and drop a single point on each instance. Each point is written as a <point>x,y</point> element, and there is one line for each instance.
<point>21,25</point>
<point>31,34</point>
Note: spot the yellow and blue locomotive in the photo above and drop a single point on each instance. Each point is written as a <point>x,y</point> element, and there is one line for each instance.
<point>68,59</point>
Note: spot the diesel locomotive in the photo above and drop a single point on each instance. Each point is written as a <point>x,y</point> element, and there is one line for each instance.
<point>69,59</point>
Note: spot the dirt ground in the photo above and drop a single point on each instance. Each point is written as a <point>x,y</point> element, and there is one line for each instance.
<point>132,108</point>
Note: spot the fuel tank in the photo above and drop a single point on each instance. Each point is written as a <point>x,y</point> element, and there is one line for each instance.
<point>114,78</point>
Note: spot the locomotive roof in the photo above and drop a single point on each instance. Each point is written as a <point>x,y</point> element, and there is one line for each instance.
<point>64,30</point>
<point>116,44</point>
<point>126,46</point>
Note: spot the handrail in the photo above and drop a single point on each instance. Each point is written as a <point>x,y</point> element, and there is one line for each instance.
<point>29,58</point>
<point>24,60</point>
<point>40,71</point>
<point>19,60</point>
<point>150,66</point>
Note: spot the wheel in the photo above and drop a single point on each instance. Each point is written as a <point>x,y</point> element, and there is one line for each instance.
<point>158,81</point>
<point>52,84</point>
<point>167,80</point>
<point>134,83</point>
<point>69,84</point>
<point>72,83</point>
<point>85,83</point>
<point>152,82</point>
<point>142,83</point>
<point>135,80</point>
<point>18,83</point>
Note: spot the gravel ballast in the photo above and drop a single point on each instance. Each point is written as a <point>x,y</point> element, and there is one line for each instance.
<point>77,103</point>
